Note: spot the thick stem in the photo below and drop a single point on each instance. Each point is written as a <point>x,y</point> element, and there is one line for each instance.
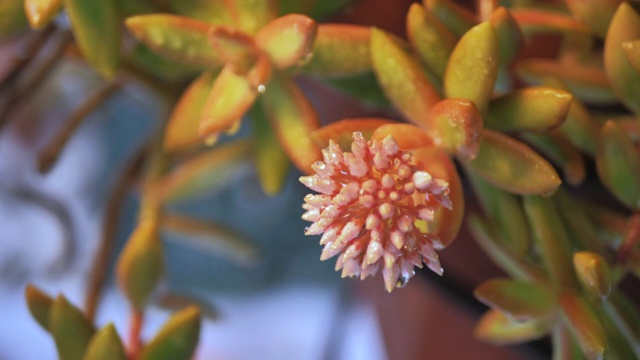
<point>135,328</point>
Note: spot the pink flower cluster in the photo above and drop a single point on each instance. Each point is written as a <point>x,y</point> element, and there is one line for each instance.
<point>373,209</point>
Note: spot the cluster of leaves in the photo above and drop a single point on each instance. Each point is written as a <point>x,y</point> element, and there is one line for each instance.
<point>458,83</point>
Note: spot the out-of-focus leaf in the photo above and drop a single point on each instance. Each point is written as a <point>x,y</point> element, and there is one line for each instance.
<point>408,137</point>
<point>513,166</point>
<point>148,61</point>
<point>252,15</point>
<point>230,98</point>
<point>97,31</point>
<point>272,163</point>
<point>342,131</point>
<point>363,86</point>
<point>106,345</point>
<point>176,302</point>
<point>293,119</point>
<point>447,222</point>
<point>401,78</point>
<point>534,108</point>
<point>39,305</point>
<point>340,50</point>
<point>551,235</point>
<point>70,329</point>
<point>632,51</point>
<point>593,272</point>
<point>618,164</point>
<point>581,228</point>
<point>40,12</point>
<point>287,39</point>
<point>455,125</point>
<point>564,346</point>
<point>618,346</point>
<point>559,150</point>
<point>506,211</point>
<point>456,18</point>
<point>534,22</point>
<point>473,67</point>
<point>12,17</point>
<point>431,39</point>
<point>216,12</point>
<point>205,172</point>
<point>624,313</point>
<point>212,238</point>
<point>519,299</point>
<point>585,325</point>
<point>141,263</point>
<point>126,8</point>
<point>184,122</point>
<point>586,82</point>
<point>625,80</point>
<point>596,14</point>
<point>177,339</point>
<point>175,37</point>
<point>497,328</point>
<point>510,37</point>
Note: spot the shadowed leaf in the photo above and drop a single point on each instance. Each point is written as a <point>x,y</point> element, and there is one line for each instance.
<point>458,19</point>
<point>497,328</point>
<point>177,339</point>
<point>510,37</point>
<point>455,125</point>
<point>106,345</point>
<point>519,299</point>
<point>70,329</point>
<point>585,325</point>
<point>39,305</point>
<point>41,12</point>
<point>533,22</point>
<point>431,39</point>
<point>559,150</point>
<point>340,50</point>
<point>272,163</point>
<point>287,39</point>
<point>408,137</point>
<point>596,14</point>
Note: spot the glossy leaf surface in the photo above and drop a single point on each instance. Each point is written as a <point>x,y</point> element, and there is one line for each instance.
<point>430,38</point>
<point>593,272</point>
<point>287,39</point>
<point>522,300</point>
<point>455,125</point>
<point>340,50</point>
<point>632,51</point>
<point>177,339</point>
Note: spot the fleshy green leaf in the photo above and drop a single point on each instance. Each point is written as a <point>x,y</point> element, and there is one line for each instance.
<point>519,299</point>
<point>401,78</point>
<point>618,164</point>
<point>534,22</point>
<point>408,136</point>
<point>585,325</point>
<point>532,108</point>
<point>272,163</point>
<point>431,39</point>
<point>473,67</point>
<point>624,313</point>
<point>252,15</point>
<point>497,328</point>
<point>293,119</point>
<point>106,345</point>
<point>593,272</point>
<point>582,229</point>
<point>632,51</point>
<point>205,172</point>
<point>596,14</point>
<point>141,263</point>
<point>625,80</point>
<point>177,339</point>
<point>175,37</point>
<point>342,131</point>
<point>70,329</point>
<point>97,31</point>
<point>287,39</point>
<point>148,61</point>
<point>217,12</point>
<point>513,166</point>
<point>340,50</point>
<point>509,35</point>
<point>184,122</point>
<point>363,86</point>
<point>455,125</point>
<point>39,305</point>
<point>458,19</point>
<point>12,17</point>
<point>40,12</point>
<point>559,150</point>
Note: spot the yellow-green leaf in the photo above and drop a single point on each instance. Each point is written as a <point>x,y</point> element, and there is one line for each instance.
<point>625,80</point>
<point>585,325</point>
<point>458,19</point>
<point>594,274</point>
<point>632,51</point>
<point>252,15</point>
<point>216,12</point>
<point>141,263</point>
<point>178,338</point>
<point>497,328</point>
<point>40,12</point>
<point>106,345</point>
<point>12,17</point>
<point>519,299</point>
<point>473,67</point>
<point>342,131</point>
<point>559,150</point>
<point>70,329</point>
<point>534,22</point>
<point>402,78</point>
<point>513,166</point>
<point>175,37</point>
<point>408,136</point>
<point>596,14</point>
<point>455,125</point>
<point>583,230</point>
<point>618,164</point>
<point>272,163</point>
<point>39,305</point>
<point>340,50</point>
<point>287,39</point>
<point>510,37</point>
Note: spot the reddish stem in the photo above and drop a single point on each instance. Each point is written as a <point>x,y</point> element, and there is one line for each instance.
<point>135,342</point>
<point>631,238</point>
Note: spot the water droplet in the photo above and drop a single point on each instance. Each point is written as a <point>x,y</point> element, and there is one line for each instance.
<point>261,88</point>
<point>402,281</point>
<point>211,140</point>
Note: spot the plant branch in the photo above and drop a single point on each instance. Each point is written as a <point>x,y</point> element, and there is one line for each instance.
<point>135,342</point>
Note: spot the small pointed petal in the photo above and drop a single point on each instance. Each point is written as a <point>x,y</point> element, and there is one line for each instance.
<point>390,275</point>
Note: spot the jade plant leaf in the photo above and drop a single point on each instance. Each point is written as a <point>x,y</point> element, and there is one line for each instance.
<point>618,164</point>
<point>530,109</point>
<point>431,39</point>
<point>41,12</point>
<point>106,345</point>
<point>204,173</point>
<point>287,39</point>
<point>408,137</point>
<point>148,61</point>
<point>509,35</point>
<point>458,19</point>
<point>70,329</point>
<point>519,299</point>
<point>596,14</point>
<point>559,150</point>
<point>340,50</point>
<point>178,38</point>
<point>12,17</point>
<point>184,122</point>
<point>497,328</point>
<point>141,263</point>
<point>513,166</point>
<point>585,325</point>
<point>593,273</point>
<point>216,12</point>
<point>292,119</point>
<point>473,67</point>
<point>342,131</point>
<point>455,125</point>
<point>97,31</point>
<point>252,15</point>
<point>401,77</point>
<point>632,51</point>
<point>272,163</point>
<point>625,80</point>
<point>177,339</point>
<point>533,22</point>
<point>39,305</point>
